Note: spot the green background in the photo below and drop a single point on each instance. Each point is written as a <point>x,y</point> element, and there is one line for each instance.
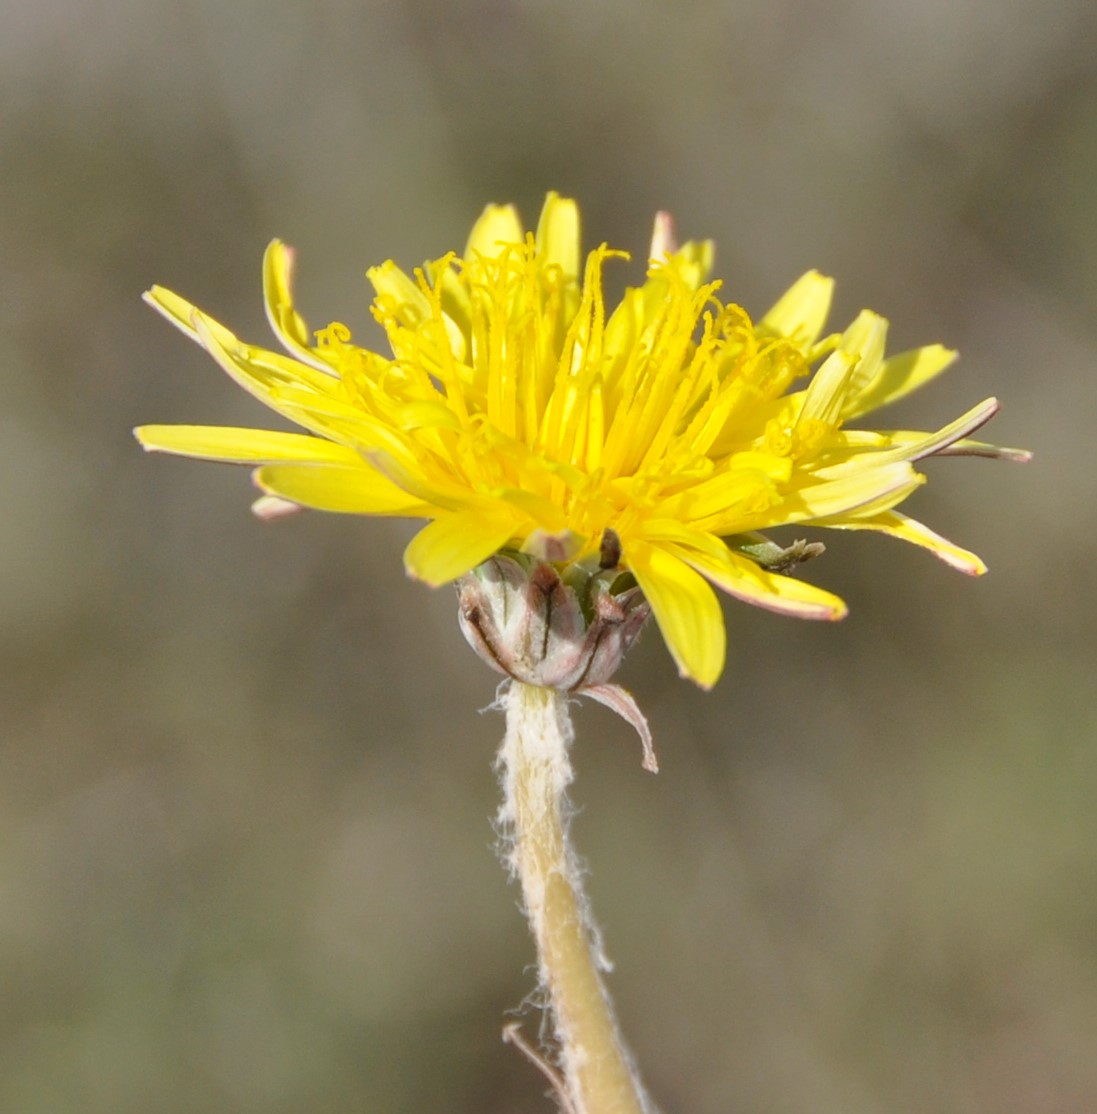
<point>245,792</point>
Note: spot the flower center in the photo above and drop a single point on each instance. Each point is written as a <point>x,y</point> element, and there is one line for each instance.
<point>508,378</point>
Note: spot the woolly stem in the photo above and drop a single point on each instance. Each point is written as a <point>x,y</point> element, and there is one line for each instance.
<point>599,1077</point>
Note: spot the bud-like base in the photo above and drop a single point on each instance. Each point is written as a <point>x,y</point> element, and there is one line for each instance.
<point>526,622</point>
<point>530,624</point>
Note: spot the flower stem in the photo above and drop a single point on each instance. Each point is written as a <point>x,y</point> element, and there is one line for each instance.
<point>598,1074</point>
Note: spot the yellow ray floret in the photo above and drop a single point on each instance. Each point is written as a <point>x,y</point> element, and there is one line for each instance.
<point>516,410</point>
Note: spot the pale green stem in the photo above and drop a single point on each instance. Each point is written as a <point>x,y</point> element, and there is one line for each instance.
<point>598,1074</point>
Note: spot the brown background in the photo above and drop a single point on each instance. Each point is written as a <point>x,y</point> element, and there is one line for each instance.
<point>245,849</point>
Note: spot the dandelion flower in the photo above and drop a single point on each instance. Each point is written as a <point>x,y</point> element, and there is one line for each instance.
<point>581,468</point>
<point>520,415</point>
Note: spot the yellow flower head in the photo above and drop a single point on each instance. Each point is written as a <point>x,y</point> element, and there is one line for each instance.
<point>516,413</point>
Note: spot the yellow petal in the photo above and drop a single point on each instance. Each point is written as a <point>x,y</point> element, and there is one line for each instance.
<point>497,227</point>
<point>184,315</point>
<point>685,607</point>
<point>908,530</point>
<point>400,295</point>
<point>287,386</point>
<point>898,376</point>
<point>974,419</point>
<point>751,476</point>
<point>558,235</point>
<point>301,393</point>
<point>424,480</point>
<point>741,577</point>
<point>340,488</point>
<point>411,306</point>
<point>801,312</point>
<point>825,393</point>
<point>694,262</point>
<point>241,446</point>
<point>861,490</point>
<point>908,444</point>
<point>865,340</point>
<point>454,543</point>
<point>548,516</point>
<point>256,369</point>
<point>875,489</point>
<point>288,325</point>
<point>426,414</point>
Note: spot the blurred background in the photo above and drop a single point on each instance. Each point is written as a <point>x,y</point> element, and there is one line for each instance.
<point>246,793</point>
